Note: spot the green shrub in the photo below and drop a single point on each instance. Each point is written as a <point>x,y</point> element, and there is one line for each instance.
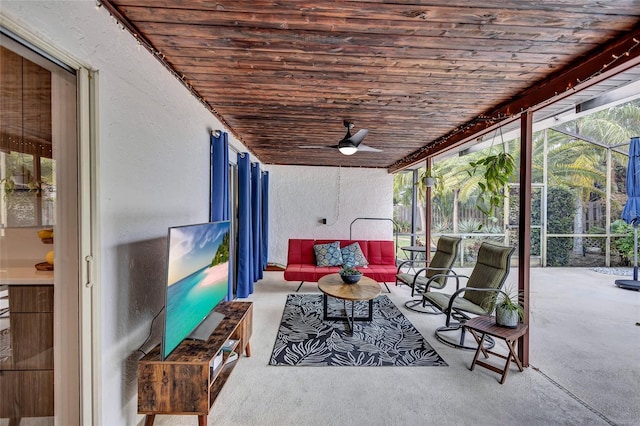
<point>402,226</point>
<point>624,245</point>
<point>560,213</point>
<point>536,212</point>
<point>535,242</point>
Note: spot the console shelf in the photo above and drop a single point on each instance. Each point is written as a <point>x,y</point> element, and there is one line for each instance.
<point>186,383</point>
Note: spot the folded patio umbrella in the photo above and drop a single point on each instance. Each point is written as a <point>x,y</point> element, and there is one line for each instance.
<point>631,212</point>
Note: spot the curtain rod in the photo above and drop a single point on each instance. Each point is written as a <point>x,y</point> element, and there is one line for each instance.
<point>216,133</point>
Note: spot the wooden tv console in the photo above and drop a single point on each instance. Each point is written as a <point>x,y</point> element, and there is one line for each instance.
<point>184,383</point>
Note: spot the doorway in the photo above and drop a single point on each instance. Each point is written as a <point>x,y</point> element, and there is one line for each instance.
<point>41,227</point>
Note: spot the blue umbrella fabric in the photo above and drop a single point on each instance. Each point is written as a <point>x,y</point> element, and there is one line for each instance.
<point>631,212</point>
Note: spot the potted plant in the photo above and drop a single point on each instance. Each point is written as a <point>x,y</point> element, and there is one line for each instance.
<point>19,180</point>
<point>428,179</point>
<point>350,275</point>
<point>509,309</point>
<point>9,185</point>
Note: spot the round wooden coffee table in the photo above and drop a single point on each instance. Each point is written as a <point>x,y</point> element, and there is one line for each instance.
<point>366,289</point>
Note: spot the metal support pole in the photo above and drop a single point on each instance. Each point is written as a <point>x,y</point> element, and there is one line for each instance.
<point>635,250</point>
<point>414,206</point>
<point>607,226</point>
<point>543,200</point>
<point>524,226</point>
<point>427,215</point>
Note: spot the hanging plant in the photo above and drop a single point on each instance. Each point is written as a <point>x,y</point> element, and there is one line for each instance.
<point>498,169</point>
<point>9,185</point>
<point>429,179</point>
<point>15,182</point>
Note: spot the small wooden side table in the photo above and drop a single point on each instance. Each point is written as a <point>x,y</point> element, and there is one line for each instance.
<point>485,325</point>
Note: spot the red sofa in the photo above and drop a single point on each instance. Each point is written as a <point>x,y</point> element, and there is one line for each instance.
<point>301,260</point>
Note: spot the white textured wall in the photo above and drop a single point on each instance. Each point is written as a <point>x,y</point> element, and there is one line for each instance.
<point>154,173</point>
<point>299,197</point>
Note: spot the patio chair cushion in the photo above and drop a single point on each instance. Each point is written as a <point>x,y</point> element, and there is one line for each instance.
<point>441,300</point>
<point>440,264</point>
<point>443,258</point>
<point>490,271</point>
<point>406,278</point>
<point>421,281</point>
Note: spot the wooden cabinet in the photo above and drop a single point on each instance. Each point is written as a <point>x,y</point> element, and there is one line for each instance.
<point>186,382</point>
<point>26,365</point>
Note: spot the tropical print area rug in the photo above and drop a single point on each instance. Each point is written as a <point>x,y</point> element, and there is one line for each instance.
<point>305,339</point>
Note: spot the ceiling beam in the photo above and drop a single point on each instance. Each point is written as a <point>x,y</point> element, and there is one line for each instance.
<point>604,62</point>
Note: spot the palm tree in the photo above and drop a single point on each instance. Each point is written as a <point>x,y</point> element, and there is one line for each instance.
<point>402,193</point>
<point>571,161</point>
<point>581,164</point>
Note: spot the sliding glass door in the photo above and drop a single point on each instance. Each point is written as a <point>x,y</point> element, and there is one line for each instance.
<point>38,151</point>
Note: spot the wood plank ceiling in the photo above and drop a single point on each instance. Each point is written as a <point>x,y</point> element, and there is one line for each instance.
<point>284,74</point>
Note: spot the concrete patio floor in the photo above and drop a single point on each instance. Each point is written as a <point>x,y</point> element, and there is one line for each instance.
<point>584,368</point>
<point>585,335</point>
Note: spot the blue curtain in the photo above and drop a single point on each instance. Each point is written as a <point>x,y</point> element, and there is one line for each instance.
<point>264,248</point>
<point>219,209</point>
<point>256,219</point>
<point>219,190</point>
<point>245,232</point>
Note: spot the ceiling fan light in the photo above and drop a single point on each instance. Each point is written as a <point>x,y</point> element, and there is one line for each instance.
<point>348,149</point>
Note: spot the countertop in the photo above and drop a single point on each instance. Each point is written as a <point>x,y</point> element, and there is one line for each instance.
<point>24,273</point>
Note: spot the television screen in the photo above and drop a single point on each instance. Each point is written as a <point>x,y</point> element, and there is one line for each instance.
<point>197,278</point>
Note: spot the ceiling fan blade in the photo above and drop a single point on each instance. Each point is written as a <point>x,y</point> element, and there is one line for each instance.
<point>363,147</point>
<point>349,144</point>
<point>359,136</point>
<point>317,146</point>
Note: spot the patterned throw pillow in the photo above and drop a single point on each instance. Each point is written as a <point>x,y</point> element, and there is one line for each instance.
<point>352,256</point>
<point>328,254</point>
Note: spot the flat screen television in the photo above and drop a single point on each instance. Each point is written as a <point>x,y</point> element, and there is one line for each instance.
<point>197,280</point>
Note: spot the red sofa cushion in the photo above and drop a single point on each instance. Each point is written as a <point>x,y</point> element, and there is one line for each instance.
<point>301,252</point>
<point>381,273</point>
<point>381,253</point>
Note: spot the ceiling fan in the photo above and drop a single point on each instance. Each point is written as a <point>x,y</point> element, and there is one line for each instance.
<point>350,144</point>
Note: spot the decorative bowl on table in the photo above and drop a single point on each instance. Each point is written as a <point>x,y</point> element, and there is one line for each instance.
<point>46,235</point>
<point>350,275</point>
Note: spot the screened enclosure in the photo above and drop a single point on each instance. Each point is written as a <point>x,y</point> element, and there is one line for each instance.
<point>578,193</point>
